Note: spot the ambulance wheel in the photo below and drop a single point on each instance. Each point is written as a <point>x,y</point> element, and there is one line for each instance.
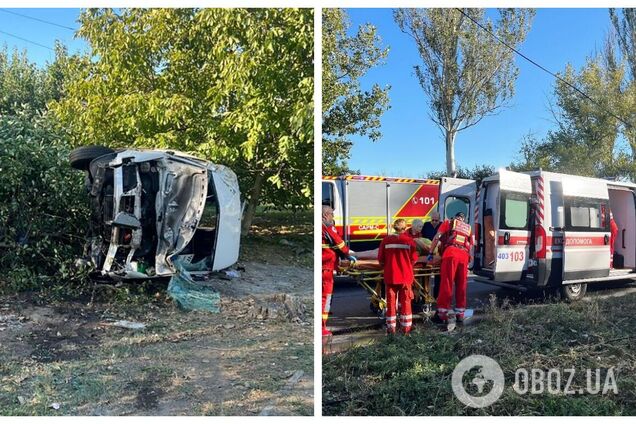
<point>573,292</point>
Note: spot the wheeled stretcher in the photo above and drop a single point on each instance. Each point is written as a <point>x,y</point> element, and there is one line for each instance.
<point>368,273</point>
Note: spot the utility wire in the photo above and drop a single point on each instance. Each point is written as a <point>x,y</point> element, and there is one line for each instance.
<point>28,41</point>
<point>572,86</point>
<point>37,19</point>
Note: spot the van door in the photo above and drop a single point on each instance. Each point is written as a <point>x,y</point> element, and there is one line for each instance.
<point>512,238</point>
<point>586,236</point>
<point>457,195</point>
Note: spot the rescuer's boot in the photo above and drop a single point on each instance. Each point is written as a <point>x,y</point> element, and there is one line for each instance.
<point>437,319</point>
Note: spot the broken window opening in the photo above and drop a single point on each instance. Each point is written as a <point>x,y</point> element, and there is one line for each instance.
<point>203,242</point>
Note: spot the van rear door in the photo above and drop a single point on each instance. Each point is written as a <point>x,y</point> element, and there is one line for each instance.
<point>457,195</point>
<point>586,236</point>
<point>512,237</point>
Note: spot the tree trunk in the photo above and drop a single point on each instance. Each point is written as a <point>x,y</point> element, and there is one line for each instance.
<point>255,195</point>
<point>450,154</point>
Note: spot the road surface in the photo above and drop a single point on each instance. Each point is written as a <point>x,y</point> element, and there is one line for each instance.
<point>350,304</point>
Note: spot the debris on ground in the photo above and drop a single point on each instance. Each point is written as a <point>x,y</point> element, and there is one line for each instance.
<point>232,273</point>
<point>127,324</point>
<point>8,322</point>
<point>189,295</point>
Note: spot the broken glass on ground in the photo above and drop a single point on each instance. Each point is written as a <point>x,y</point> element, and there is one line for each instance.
<point>189,295</point>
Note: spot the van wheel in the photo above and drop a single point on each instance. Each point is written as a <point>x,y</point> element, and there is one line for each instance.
<point>573,292</point>
<point>81,157</point>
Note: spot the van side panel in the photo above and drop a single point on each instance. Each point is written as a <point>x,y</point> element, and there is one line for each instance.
<point>586,251</point>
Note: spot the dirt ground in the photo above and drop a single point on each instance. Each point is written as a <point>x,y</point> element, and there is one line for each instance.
<point>255,357</point>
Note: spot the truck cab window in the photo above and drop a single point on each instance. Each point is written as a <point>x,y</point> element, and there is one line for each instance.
<point>454,205</point>
<point>327,194</point>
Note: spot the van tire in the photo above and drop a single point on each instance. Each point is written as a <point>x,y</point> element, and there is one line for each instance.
<point>573,292</point>
<point>81,157</point>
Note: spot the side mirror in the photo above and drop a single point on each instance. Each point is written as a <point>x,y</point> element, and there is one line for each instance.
<point>126,220</point>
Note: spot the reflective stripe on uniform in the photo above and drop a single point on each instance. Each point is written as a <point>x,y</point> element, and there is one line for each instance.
<point>340,245</point>
<point>327,304</point>
<point>397,246</point>
<point>326,246</point>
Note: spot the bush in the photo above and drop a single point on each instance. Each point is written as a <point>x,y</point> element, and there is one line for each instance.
<point>43,205</point>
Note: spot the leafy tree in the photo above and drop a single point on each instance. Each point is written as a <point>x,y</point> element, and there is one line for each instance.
<point>24,86</point>
<point>587,138</point>
<point>347,109</point>
<point>624,24</point>
<point>465,73</point>
<point>232,85</point>
<point>622,46</point>
<point>43,205</point>
<point>478,173</point>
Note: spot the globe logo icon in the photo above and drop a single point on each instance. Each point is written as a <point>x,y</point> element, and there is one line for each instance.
<point>487,382</point>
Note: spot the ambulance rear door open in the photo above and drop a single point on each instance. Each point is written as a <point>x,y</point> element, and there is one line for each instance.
<point>586,235</point>
<point>512,225</point>
<point>457,195</point>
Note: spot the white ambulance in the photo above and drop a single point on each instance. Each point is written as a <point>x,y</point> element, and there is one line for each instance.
<point>546,230</point>
<point>364,205</point>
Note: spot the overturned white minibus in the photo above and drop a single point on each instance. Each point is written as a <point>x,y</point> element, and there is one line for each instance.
<point>546,230</point>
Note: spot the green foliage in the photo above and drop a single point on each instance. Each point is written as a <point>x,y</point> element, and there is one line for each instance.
<point>232,85</point>
<point>465,73</point>
<point>346,108</point>
<point>43,207</point>
<point>589,140</point>
<point>24,86</point>
<point>478,173</point>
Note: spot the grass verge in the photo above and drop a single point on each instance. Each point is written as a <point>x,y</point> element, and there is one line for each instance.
<point>412,375</point>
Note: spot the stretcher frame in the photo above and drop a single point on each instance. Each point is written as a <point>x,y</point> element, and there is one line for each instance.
<point>372,280</point>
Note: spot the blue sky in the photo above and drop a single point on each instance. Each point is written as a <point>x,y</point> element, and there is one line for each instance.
<point>39,32</point>
<point>412,145</point>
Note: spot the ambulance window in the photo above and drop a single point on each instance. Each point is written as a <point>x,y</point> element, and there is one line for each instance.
<point>515,211</point>
<point>454,205</point>
<point>327,194</point>
<point>586,214</point>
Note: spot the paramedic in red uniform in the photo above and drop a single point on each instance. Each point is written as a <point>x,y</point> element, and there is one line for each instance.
<point>332,246</point>
<point>397,254</point>
<point>456,238</point>
<point>613,234</point>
